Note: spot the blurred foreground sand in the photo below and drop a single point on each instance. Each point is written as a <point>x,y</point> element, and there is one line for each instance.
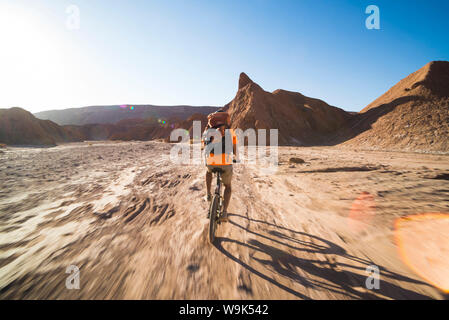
<point>135,225</point>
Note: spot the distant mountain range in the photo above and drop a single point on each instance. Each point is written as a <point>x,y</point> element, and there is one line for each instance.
<point>20,127</point>
<point>413,115</point>
<point>116,113</point>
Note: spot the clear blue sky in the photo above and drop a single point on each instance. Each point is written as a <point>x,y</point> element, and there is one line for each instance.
<point>191,52</point>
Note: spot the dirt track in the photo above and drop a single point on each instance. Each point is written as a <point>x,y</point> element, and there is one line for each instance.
<point>135,224</point>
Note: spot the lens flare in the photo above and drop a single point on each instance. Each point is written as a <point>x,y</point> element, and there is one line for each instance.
<point>363,210</point>
<point>132,108</point>
<point>423,244</point>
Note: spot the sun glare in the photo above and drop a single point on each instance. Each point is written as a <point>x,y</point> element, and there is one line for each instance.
<point>31,59</point>
<point>423,245</point>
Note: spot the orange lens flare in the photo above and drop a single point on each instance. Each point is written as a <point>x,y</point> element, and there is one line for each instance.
<point>423,244</point>
<point>363,210</point>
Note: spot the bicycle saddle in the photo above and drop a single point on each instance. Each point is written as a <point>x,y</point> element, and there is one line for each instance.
<point>215,170</point>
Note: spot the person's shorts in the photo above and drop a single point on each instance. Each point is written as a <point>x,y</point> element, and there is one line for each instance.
<point>226,176</point>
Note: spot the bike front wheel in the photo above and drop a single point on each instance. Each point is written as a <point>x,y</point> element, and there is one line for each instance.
<point>213,214</point>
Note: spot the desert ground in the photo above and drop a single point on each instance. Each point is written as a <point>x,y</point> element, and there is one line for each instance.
<point>135,225</point>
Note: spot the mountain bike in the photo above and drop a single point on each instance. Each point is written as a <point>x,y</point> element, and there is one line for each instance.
<point>216,207</point>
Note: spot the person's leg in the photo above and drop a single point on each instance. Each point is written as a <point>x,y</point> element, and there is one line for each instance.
<point>208,187</point>
<point>227,197</point>
<point>227,179</point>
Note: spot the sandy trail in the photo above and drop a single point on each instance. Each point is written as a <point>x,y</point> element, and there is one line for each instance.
<point>135,224</point>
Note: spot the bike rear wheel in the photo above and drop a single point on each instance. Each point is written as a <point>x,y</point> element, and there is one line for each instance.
<point>213,213</point>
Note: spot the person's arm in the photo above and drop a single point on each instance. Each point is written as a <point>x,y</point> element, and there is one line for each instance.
<point>236,154</point>
<point>234,147</point>
<point>203,138</point>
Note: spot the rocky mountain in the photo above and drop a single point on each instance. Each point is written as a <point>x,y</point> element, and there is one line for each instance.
<point>113,114</point>
<point>20,127</point>
<point>412,116</point>
<point>301,120</point>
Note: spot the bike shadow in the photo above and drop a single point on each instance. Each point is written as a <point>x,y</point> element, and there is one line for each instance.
<point>329,275</point>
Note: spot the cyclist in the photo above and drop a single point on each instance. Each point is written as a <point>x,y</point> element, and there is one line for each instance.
<point>220,143</point>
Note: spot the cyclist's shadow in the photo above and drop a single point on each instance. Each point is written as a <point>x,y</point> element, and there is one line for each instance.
<point>326,275</point>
